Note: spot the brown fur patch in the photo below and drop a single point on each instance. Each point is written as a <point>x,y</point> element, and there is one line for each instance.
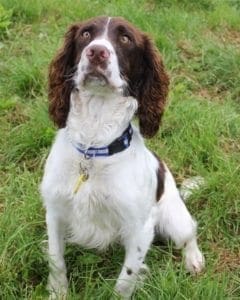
<point>160,178</point>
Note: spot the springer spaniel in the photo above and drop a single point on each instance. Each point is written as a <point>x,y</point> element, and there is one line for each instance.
<point>101,184</point>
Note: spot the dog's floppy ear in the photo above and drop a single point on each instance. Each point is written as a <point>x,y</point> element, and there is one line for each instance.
<point>152,90</point>
<point>60,82</point>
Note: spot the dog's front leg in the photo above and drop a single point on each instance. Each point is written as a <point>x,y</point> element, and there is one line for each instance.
<point>57,280</point>
<point>136,246</point>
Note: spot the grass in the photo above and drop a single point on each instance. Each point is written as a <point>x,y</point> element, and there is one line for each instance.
<point>199,136</point>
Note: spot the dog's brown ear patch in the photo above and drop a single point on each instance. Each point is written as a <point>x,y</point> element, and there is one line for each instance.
<point>60,82</point>
<point>152,91</point>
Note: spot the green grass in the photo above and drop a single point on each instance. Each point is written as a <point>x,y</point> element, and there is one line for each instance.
<point>200,135</point>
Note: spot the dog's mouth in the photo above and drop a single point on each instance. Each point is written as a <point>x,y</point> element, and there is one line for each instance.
<point>99,80</point>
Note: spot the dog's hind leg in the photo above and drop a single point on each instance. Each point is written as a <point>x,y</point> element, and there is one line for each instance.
<point>176,223</point>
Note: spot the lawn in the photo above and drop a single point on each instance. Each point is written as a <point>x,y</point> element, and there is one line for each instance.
<point>200,135</point>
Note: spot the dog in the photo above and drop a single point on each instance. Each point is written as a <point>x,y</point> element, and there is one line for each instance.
<point>101,184</point>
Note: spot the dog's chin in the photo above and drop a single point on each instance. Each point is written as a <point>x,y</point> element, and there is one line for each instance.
<point>100,84</point>
<point>95,79</point>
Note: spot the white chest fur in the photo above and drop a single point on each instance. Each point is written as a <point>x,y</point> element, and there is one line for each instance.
<point>120,190</point>
<point>108,205</point>
<point>95,216</point>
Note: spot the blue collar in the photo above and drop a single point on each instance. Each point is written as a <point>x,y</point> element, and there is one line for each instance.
<point>118,145</point>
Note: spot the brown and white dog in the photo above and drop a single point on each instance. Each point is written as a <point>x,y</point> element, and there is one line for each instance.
<point>101,184</point>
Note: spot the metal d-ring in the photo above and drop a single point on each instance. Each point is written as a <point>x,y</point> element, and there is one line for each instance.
<point>86,156</point>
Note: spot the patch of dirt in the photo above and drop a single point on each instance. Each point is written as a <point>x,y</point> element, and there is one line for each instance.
<point>1,208</point>
<point>227,259</point>
<point>226,36</point>
<point>230,36</point>
<point>150,6</point>
<point>212,93</point>
<point>17,115</point>
<point>205,93</point>
<point>187,49</point>
<point>230,145</point>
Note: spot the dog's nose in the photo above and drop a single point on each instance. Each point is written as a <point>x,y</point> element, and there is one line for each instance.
<point>97,54</point>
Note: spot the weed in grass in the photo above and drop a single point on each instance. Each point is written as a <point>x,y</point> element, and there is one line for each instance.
<point>5,20</point>
<point>27,78</point>
<point>224,15</point>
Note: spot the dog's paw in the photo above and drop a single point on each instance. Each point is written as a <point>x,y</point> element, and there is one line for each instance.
<point>57,287</point>
<point>57,296</point>
<point>123,290</point>
<point>142,275</point>
<point>127,284</point>
<point>194,261</point>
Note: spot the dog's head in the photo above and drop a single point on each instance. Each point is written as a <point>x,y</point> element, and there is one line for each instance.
<point>109,52</point>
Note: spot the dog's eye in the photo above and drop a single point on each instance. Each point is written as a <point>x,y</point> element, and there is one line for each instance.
<point>86,34</point>
<point>125,39</point>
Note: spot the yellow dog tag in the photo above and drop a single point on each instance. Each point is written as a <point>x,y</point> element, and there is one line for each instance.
<point>81,179</point>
